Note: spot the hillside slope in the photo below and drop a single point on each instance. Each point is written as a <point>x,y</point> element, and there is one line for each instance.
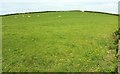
<point>59,41</point>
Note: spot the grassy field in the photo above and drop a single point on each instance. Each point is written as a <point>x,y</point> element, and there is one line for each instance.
<point>59,41</point>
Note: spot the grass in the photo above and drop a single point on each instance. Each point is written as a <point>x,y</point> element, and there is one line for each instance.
<point>59,42</point>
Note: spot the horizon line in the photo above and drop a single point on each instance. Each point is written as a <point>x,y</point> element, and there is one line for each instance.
<point>59,11</point>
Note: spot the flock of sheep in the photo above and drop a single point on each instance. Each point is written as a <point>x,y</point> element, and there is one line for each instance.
<point>37,15</point>
<point>59,16</point>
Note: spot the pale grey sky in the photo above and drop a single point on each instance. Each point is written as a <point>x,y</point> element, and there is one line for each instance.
<point>15,6</point>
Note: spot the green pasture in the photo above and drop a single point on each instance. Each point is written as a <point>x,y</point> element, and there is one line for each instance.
<point>59,42</point>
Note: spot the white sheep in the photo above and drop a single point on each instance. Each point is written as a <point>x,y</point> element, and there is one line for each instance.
<point>59,16</point>
<point>22,15</point>
<point>29,16</point>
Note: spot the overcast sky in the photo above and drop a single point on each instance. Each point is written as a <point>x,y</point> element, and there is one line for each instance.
<point>15,6</point>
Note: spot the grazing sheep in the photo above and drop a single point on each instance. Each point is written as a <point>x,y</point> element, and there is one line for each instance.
<point>59,16</point>
<point>29,16</point>
<point>22,15</point>
<point>95,14</point>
